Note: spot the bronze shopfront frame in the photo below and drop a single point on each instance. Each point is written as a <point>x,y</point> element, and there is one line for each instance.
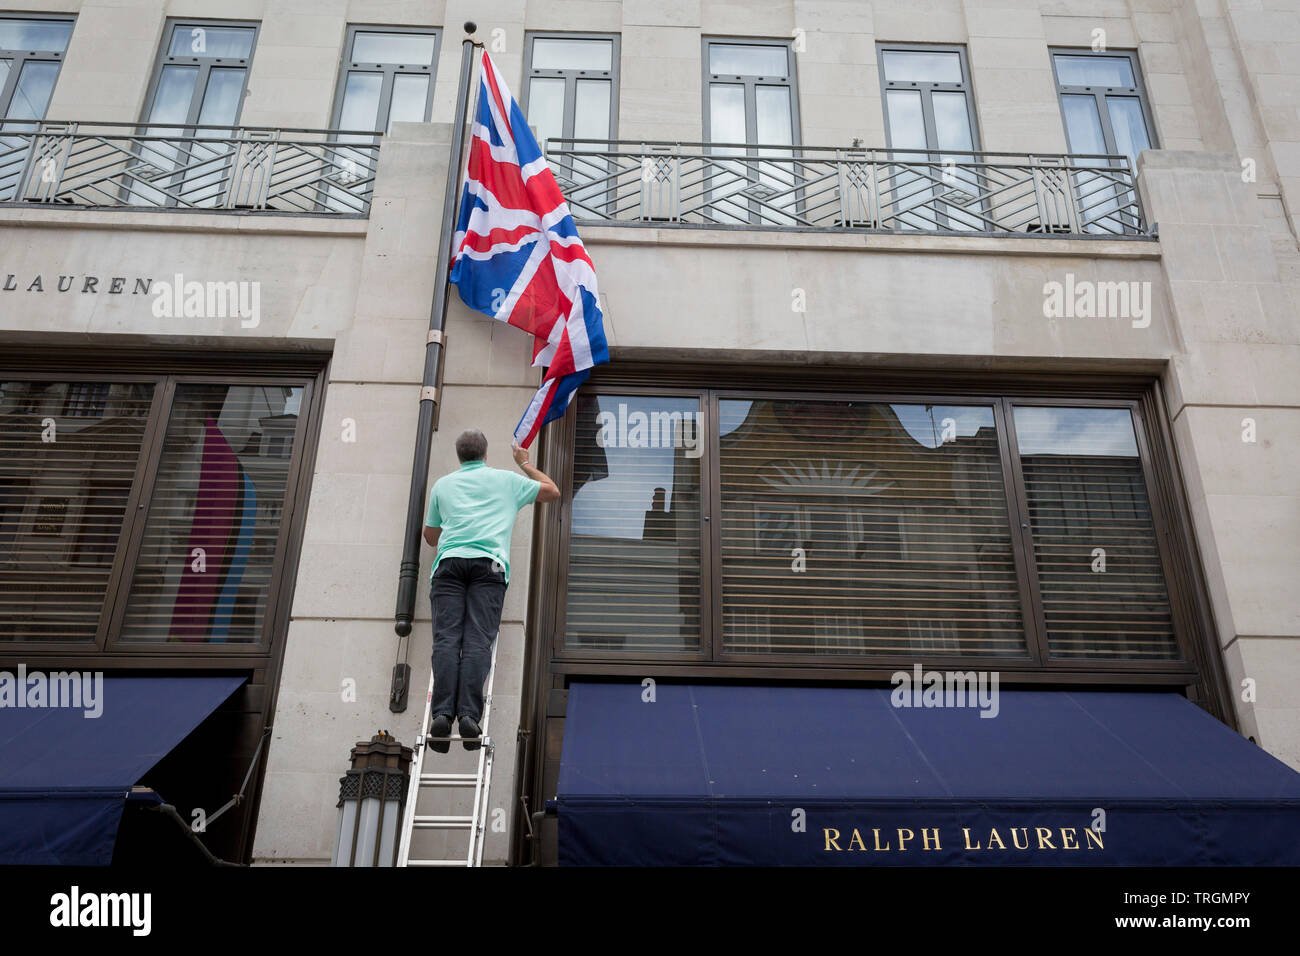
<point>1199,672</point>
<point>248,715</point>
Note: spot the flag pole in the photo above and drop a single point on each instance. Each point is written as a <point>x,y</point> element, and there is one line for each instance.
<point>431,390</point>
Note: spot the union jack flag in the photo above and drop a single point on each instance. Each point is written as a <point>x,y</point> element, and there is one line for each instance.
<point>517,254</point>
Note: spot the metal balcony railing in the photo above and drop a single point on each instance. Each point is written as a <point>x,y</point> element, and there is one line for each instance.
<point>142,166</point>
<point>736,185</point>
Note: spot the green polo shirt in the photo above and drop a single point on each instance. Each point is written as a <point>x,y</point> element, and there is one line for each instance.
<point>475,507</point>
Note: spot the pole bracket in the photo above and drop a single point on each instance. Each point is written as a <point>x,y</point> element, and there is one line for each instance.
<point>429,393</point>
<point>436,337</point>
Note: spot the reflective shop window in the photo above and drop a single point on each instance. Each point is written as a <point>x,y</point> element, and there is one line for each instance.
<point>1099,570</point>
<point>68,456</point>
<point>865,528</point>
<point>841,530</point>
<point>208,550</point>
<point>634,525</point>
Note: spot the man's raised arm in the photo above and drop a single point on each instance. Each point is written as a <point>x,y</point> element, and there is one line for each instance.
<point>548,491</point>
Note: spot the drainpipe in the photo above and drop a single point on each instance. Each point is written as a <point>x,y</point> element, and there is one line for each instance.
<point>430,396</point>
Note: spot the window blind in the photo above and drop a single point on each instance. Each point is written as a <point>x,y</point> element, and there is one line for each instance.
<point>634,543</point>
<point>1099,571</point>
<point>68,457</point>
<point>857,528</point>
<point>204,569</point>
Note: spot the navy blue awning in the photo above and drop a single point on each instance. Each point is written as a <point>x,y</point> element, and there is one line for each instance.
<point>65,775</point>
<point>736,775</point>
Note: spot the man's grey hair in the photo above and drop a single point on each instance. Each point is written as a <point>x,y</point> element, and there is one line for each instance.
<point>471,445</point>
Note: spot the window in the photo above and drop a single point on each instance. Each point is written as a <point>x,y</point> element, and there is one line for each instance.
<point>930,124</point>
<point>1103,103</point>
<point>751,108</point>
<point>31,51</point>
<point>928,103</point>
<point>62,474</point>
<point>751,526</point>
<point>889,519</point>
<point>571,90</point>
<point>1105,111</point>
<point>386,78</point>
<point>146,510</point>
<point>635,545</point>
<point>1086,496</point>
<point>749,95</point>
<point>199,81</point>
<point>201,74</point>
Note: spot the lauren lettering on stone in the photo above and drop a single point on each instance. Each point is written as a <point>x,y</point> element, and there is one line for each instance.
<point>80,284</point>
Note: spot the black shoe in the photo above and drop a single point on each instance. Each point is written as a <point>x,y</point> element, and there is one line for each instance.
<point>440,726</point>
<point>471,732</point>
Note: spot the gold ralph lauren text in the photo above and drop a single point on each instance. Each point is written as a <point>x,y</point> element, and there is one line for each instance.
<point>903,839</point>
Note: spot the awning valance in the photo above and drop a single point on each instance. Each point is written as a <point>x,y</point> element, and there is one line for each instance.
<point>65,774</point>
<point>779,775</point>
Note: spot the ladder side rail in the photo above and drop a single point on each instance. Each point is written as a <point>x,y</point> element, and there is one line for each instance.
<point>413,787</point>
<point>484,762</point>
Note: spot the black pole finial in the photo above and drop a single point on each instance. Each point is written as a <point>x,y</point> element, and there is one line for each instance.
<point>470,26</point>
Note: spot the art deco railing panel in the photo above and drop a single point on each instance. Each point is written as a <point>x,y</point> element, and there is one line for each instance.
<point>120,165</point>
<point>887,190</point>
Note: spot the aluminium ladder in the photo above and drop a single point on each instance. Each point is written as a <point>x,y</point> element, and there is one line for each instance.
<point>480,780</point>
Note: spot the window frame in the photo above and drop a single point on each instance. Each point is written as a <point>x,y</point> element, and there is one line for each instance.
<point>1197,667</point>
<point>205,64</point>
<point>565,515</point>
<point>1099,94</point>
<point>20,58</point>
<point>388,70</point>
<point>571,78</point>
<point>790,82</point>
<point>165,372</point>
<point>927,90</point>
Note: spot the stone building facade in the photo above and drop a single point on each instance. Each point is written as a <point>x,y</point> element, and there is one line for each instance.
<point>702,298</point>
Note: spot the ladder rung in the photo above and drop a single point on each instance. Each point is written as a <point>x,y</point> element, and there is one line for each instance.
<point>447,779</point>
<point>485,741</point>
<point>422,822</point>
<point>457,737</point>
<point>437,863</point>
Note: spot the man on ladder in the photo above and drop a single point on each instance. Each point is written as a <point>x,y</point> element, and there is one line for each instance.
<point>470,518</point>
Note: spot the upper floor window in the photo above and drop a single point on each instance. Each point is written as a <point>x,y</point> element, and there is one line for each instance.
<point>386,78</point>
<point>928,102</point>
<point>199,80</point>
<point>929,107</point>
<point>31,51</point>
<point>1103,102</point>
<point>571,90</point>
<point>201,73</point>
<point>750,92</point>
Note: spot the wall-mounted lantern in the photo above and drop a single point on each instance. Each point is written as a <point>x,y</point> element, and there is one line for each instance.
<point>371,795</point>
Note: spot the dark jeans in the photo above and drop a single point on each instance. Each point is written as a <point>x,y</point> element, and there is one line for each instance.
<point>467,594</point>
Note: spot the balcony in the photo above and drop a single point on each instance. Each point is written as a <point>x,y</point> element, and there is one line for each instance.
<point>744,186</point>
<point>138,166</point>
